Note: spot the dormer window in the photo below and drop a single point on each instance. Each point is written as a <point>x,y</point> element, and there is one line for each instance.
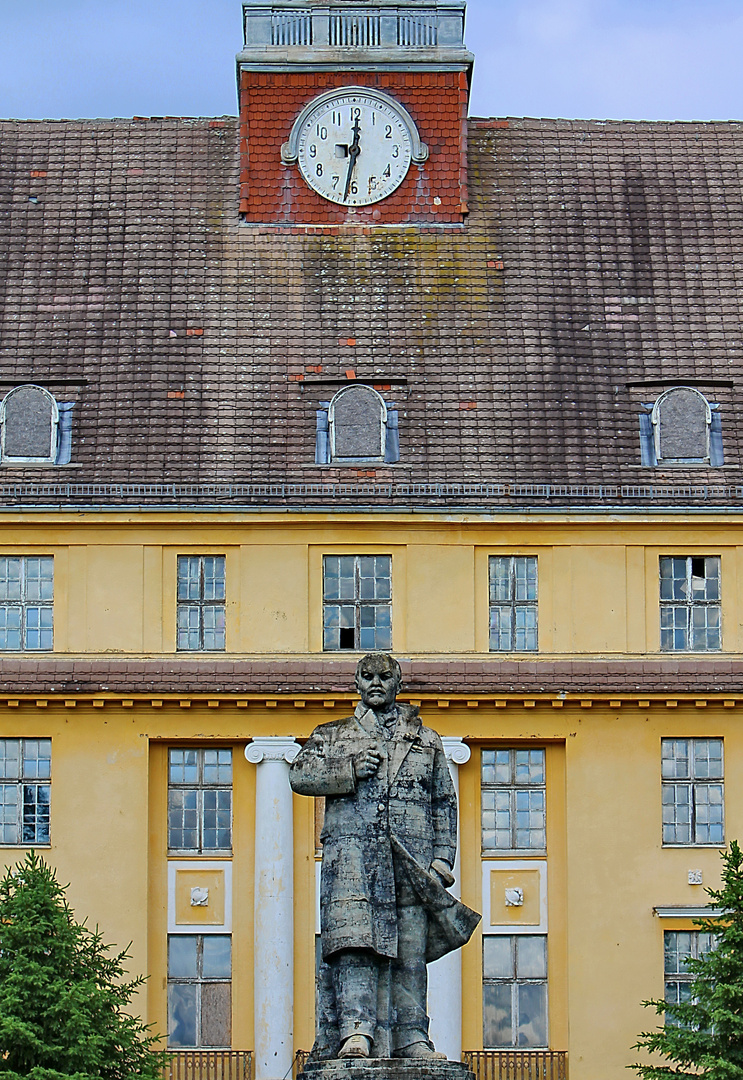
<point>356,427</point>
<point>34,428</point>
<point>681,428</point>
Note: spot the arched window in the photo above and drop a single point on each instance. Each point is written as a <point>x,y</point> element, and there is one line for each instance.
<point>358,420</point>
<point>29,418</point>
<point>681,428</point>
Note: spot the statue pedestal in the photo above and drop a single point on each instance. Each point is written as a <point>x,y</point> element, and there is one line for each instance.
<point>385,1069</point>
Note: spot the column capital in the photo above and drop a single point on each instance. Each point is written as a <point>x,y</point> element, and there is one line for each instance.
<point>457,752</point>
<point>272,748</point>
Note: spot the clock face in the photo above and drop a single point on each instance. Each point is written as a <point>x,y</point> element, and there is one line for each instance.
<point>354,149</point>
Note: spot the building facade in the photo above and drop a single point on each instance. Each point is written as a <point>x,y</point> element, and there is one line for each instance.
<point>468,393</point>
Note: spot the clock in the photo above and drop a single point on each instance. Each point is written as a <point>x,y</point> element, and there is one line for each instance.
<point>354,146</point>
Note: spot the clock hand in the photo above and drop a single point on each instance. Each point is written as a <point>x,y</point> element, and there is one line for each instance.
<point>353,153</point>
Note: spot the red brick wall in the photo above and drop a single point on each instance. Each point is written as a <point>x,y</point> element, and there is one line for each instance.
<point>273,193</point>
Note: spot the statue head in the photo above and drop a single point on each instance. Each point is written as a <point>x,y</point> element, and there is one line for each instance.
<point>378,680</point>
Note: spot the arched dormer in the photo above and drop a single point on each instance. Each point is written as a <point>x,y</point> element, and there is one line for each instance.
<point>681,428</point>
<point>29,419</point>
<point>357,416</point>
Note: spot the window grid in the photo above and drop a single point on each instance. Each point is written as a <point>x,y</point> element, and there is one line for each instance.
<point>199,990</point>
<point>678,947</point>
<point>199,800</point>
<point>513,800</point>
<point>25,791</point>
<point>201,603</point>
<point>357,602</point>
<point>690,609</point>
<point>514,990</point>
<point>26,602</point>
<point>513,603</point>
<point>693,791</point>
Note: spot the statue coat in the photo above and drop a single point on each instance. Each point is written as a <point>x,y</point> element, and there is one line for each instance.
<point>408,805</point>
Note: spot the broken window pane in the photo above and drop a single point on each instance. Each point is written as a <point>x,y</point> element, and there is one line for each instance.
<point>25,803</point>
<point>199,990</point>
<point>365,622</point>
<point>690,612</point>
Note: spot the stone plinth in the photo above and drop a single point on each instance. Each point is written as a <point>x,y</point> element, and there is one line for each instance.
<point>385,1069</point>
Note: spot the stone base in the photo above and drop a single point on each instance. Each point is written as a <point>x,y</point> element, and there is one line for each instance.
<point>385,1069</point>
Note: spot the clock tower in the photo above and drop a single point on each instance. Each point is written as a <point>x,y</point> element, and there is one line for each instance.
<point>353,112</point>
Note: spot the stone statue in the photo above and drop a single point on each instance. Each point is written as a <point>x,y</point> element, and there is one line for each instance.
<point>389,842</point>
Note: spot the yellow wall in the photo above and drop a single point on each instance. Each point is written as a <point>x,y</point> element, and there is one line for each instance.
<point>115,585</point>
<point>598,595</point>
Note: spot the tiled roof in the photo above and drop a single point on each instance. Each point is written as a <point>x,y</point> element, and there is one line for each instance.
<point>600,263</point>
<point>483,677</point>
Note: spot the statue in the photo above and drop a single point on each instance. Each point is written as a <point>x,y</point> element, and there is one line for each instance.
<point>389,843</point>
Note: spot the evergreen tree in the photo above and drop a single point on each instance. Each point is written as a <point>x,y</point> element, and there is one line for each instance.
<point>703,1037</point>
<point>62,991</point>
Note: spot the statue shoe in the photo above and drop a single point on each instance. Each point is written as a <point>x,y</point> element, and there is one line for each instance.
<point>420,1050</point>
<point>356,1046</point>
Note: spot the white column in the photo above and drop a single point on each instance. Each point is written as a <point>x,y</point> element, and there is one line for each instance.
<point>445,975</point>
<point>274,906</point>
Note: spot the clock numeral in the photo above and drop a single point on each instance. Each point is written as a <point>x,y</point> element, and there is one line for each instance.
<point>313,150</point>
<point>388,131</point>
<point>319,169</point>
<point>336,181</point>
<point>355,113</point>
<point>395,151</point>
<point>337,119</point>
<point>354,189</point>
<point>374,119</point>
<point>387,173</point>
<point>322,132</point>
<point>372,183</point>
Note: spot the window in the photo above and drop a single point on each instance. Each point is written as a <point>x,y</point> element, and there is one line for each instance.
<point>357,425</point>
<point>26,595</point>
<point>25,791</point>
<point>513,800</point>
<point>678,946</point>
<point>693,803</point>
<point>199,990</point>
<point>690,611</point>
<point>513,603</point>
<point>357,608</point>
<point>199,800</point>
<point>514,990</point>
<point>29,417</point>
<point>201,603</point>
<point>681,428</point>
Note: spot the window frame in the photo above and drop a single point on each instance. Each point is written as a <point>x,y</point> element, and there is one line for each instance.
<point>513,603</point>
<point>688,604</point>
<point>656,419</point>
<point>200,604</point>
<point>24,605</point>
<point>512,788</point>
<point>515,982</point>
<point>200,787</point>
<point>357,603</point>
<point>679,977</point>
<point>692,783</point>
<point>20,784</point>
<point>199,981</point>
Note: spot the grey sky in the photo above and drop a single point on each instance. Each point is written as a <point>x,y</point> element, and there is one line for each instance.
<point>639,59</point>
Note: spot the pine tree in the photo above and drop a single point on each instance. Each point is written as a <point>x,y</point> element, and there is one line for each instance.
<point>703,1037</point>
<point>63,994</point>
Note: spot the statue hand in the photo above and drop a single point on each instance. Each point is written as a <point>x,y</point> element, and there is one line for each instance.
<point>442,871</point>
<point>366,763</point>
